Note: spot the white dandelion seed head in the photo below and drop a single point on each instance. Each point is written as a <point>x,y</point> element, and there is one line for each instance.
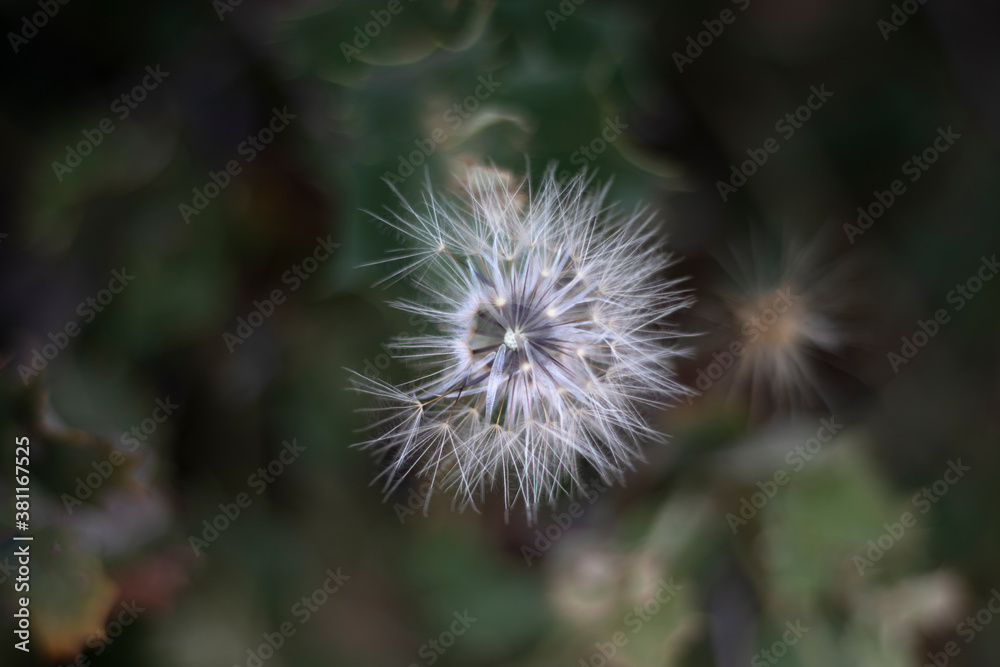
<point>551,339</point>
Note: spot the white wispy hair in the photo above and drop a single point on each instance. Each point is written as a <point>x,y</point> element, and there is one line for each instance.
<point>550,340</point>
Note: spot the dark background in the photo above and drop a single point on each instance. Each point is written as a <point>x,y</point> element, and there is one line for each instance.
<point>560,82</point>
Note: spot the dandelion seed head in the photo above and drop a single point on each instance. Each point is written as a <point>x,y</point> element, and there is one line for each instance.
<point>551,340</point>
<point>791,311</point>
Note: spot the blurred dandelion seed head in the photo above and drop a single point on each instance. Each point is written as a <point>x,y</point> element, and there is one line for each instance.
<point>787,314</point>
<point>551,339</point>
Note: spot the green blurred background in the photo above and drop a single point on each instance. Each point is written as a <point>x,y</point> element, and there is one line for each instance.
<point>741,534</point>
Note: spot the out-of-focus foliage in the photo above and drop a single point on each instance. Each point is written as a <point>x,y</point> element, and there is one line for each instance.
<point>444,85</point>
